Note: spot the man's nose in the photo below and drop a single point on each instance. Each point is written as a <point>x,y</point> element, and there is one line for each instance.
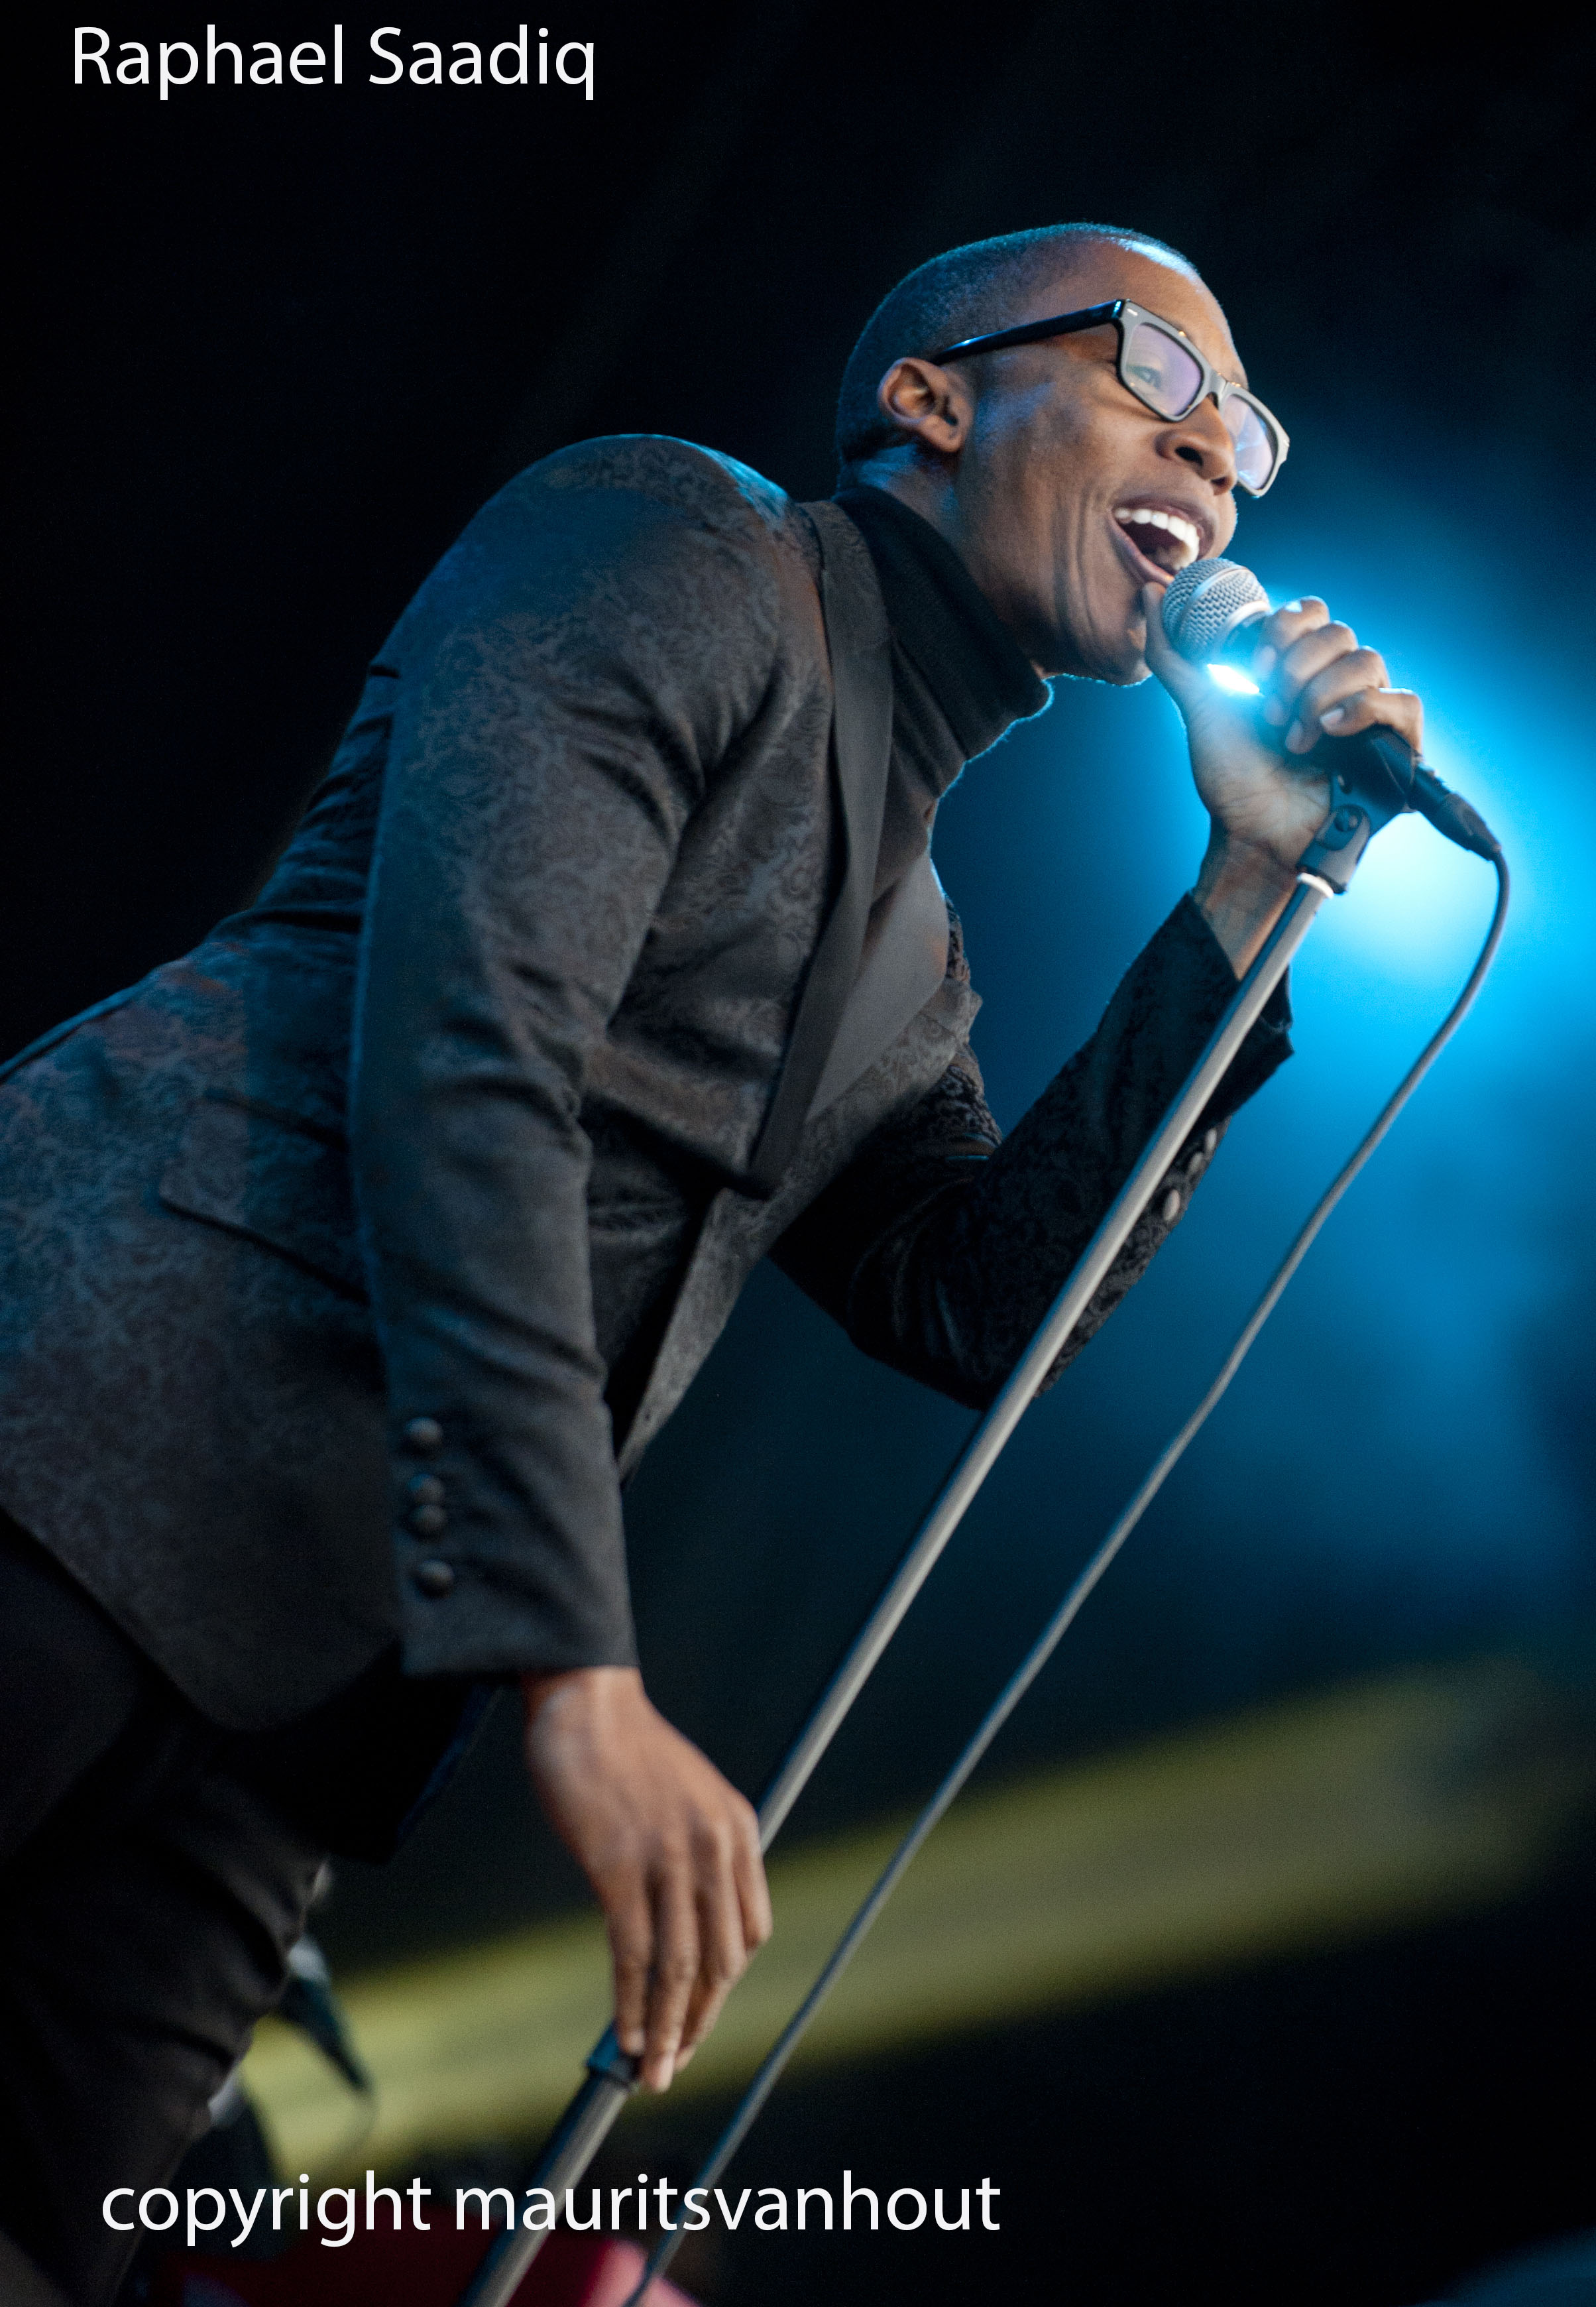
<point>1202,438</point>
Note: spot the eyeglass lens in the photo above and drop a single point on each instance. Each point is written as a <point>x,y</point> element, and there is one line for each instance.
<point>1159,367</point>
<point>1163,371</point>
<point>1254,450</point>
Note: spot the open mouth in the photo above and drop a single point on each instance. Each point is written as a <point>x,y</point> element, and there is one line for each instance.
<point>1167,539</point>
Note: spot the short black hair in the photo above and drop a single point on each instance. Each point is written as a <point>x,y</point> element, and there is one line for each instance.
<point>964,293</point>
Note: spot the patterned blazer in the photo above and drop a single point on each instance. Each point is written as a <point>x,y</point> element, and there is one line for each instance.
<point>298,1352</point>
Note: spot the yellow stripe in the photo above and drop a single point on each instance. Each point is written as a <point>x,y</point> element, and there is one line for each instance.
<point>1326,1820</point>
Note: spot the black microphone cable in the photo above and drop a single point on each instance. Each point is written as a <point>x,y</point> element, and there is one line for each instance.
<point>769,2074</point>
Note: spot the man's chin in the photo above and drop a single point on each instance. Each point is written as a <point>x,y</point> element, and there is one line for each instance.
<point>1113,649</point>
<point>1121,669</point>
<point>1130,666</point>
<point>1120,660</point>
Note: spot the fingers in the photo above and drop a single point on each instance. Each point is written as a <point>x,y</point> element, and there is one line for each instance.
<point>733,1915</point>
<point>1284,627</point>
<point>1294,643</point>
<point>675,1974</point>
<point>676,1955</point>
<point>670,1847</point>
<point>1305,649</point>
<point>1351,694</point>
<point>1311,692</point>
<point>1369,708</point>
<point>747,1871</point>
<point>630,1922</point>
<point>1318,680</point>
<point>723,1954</point>
<point>1186,683</point>
<point>712,1912</point>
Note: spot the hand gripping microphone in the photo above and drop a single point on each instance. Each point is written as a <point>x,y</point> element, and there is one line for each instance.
<point>1211,611</point>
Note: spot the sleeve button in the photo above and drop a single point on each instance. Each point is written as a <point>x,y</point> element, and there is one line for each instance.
<point>432,1578</point>
<point>424,1490</point>
<point>425,1435</point>
<point>1210,1140</point>
<point>1198,1161</point>
<point>427,1520</point>
<point>1169,1209</point>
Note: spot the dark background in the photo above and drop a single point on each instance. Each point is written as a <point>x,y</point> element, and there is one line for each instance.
<point>275,346</point>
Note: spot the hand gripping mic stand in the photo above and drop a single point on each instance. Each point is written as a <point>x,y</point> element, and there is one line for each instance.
<point>1326,870</point>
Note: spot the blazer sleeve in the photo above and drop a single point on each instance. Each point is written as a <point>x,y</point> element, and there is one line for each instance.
<point>565,684</point>
<point>942,1245</point>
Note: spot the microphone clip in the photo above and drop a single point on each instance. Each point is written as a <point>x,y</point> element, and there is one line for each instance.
<point>1336,849</point>
<point>1371,781</point>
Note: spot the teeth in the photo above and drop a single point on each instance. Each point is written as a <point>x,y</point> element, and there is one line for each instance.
<point>1183,530</point>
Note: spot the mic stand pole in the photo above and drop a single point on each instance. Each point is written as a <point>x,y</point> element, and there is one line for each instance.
<point>1324,872</point>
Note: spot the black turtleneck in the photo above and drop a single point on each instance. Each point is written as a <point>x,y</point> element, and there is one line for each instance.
<point>959,678</point>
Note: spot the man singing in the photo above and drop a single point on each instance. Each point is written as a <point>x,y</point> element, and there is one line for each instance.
<point>354,1259</point>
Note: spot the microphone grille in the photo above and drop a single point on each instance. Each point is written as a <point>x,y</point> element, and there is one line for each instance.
<point>1204,602</point>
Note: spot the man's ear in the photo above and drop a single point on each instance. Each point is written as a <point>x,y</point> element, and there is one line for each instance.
<point>928,408</point>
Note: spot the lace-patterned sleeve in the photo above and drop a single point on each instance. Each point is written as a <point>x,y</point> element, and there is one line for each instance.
<point>941,1246</point>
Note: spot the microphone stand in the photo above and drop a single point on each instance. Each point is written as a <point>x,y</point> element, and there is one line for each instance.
<point>1325,869</point>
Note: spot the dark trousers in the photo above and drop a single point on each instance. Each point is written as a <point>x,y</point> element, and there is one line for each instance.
<point>149,1895</point>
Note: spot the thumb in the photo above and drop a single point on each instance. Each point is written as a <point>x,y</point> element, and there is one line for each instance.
<point>1186,683</point>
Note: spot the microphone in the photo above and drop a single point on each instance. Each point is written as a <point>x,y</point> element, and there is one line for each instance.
<point>1211,611</point>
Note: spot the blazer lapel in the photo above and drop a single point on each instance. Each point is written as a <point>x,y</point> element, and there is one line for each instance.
<point>907,963</point>
<point>856,639</point>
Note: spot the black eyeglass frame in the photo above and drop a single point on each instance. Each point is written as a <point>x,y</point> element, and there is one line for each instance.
<point>1125,315</point>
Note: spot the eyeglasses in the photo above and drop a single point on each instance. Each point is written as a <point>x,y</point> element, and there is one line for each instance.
<point>1159,362</point>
